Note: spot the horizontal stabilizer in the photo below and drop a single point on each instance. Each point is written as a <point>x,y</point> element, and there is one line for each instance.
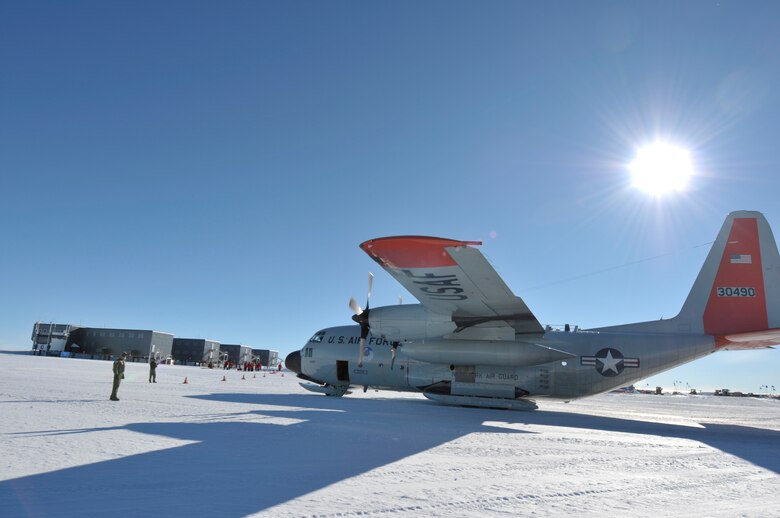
<point>755,340</point>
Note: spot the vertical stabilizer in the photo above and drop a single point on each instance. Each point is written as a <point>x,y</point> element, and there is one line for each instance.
<point>738,288</point>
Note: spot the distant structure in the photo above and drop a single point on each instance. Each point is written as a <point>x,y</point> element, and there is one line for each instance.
<point>50,339</point>
<point>191,351</point>
<point>142,344</point>
<point>266,357</point>
<point>102,343</point>
<point>237,354</point>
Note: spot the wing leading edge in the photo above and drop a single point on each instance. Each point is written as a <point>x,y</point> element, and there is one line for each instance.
<point>452,277</point>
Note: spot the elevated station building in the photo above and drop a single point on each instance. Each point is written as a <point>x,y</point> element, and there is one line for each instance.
<point>139,344</point>
<point>50,339</point>
<point>266,357</point>
<point>101,343</point>
<point>237,354</point>
<point>192,351</point>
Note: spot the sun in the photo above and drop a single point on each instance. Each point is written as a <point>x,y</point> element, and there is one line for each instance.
<point>660,168</point>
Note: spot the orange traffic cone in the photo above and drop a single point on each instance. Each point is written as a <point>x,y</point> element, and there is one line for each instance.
<point>223,378</point>
<point>185,380</point>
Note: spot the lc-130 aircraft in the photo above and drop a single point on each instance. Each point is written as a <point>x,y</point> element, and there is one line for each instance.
<point>471,342</point>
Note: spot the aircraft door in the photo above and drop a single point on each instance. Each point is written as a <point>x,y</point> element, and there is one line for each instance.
<point>342,370</point>
<point>464,373</point>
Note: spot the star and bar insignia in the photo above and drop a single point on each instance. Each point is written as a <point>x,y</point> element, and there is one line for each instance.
<point>609,362</point>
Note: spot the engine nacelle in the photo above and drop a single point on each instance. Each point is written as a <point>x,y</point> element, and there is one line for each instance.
<point>409,322</point>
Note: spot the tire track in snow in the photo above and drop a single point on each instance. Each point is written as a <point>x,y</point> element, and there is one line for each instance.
<point>495,503</point>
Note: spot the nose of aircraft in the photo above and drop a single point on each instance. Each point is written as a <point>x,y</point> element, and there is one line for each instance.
<point>293,362</point>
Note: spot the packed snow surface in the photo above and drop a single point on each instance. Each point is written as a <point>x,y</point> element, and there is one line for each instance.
<point>264,446</point>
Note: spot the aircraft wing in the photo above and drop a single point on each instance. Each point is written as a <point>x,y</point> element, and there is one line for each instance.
<point>453,278</point>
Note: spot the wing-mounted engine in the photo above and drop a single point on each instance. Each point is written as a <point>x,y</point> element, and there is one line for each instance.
<point>462,296</point>
<point>454,281</point>
<point>409,322</point>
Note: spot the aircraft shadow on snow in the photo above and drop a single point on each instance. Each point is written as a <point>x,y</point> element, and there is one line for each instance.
<point>238,468</point>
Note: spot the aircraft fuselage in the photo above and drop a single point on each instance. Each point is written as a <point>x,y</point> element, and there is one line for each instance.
<point>470,341</point>
<point>556,364</point>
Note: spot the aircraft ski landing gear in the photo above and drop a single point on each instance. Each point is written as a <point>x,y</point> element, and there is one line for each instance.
<point>328,390</point>
<point>482,402</point>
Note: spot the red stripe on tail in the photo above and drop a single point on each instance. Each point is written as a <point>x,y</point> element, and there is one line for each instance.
<point>737,301</point>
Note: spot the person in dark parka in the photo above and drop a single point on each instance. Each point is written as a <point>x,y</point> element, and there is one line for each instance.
<point>119,375</point>
<point>152,371</point>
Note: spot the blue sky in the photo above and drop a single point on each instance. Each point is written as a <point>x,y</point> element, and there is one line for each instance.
<point>209,168</point>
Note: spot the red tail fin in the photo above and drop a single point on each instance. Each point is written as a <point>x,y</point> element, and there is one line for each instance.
<point>737,299</point>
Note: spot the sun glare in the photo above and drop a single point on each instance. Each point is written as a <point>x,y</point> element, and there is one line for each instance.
<point>661,168</point>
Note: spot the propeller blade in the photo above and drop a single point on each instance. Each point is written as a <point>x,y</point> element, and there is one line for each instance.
<point>361,317</point>
<point>354,306</point>
<point>392,354</point>
<point>370,284</point>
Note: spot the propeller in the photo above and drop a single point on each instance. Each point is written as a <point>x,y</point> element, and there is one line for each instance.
<point>393,349</point>
<point>394,345</point>
<point>361,317</point>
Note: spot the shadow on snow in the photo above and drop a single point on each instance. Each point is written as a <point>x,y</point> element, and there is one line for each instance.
<point>238,468</point>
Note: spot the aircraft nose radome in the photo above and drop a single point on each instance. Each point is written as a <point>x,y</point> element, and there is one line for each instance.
<point>293,362</point>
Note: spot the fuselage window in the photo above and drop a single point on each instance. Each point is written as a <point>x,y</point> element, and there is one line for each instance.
<point>317,338</point>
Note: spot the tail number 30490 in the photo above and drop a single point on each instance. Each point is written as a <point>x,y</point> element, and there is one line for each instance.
<point>736,292</point>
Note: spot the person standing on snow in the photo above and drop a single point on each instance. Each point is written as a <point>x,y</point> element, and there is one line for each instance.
<point>152,371</point>
<point>119,375</point>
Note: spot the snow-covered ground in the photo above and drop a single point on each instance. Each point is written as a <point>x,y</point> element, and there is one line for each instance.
<point>263,446</point>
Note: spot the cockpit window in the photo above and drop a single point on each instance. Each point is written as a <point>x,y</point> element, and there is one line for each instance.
<point>317,338</point>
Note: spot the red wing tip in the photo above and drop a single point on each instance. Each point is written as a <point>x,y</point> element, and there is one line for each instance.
<point>413,251</point>
<point>417,240</point>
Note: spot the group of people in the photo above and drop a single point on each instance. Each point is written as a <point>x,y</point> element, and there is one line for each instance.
<point>248,366</point>
<point>119,374</point>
